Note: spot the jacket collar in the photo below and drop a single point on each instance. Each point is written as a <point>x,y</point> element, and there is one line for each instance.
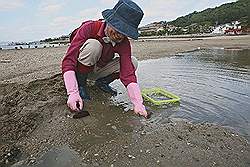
<point>101,33</point>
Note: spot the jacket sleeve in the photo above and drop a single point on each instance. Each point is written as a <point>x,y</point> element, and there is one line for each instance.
<point>69,62</point>
<point>127,69</point>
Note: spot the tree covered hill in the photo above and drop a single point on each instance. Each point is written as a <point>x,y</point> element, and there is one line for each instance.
<point>226,13</point>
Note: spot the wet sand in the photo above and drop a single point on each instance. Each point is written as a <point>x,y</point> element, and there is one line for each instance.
<point>34,117</point>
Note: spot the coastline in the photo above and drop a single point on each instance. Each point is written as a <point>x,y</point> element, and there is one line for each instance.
<point>29,64</point>
<point>33,99</point>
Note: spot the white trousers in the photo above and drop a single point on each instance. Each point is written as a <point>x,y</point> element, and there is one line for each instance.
<point>91,52</point>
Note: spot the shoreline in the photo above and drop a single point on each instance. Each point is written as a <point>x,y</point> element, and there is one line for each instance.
<point>30,64</point>
<point>34,117</point>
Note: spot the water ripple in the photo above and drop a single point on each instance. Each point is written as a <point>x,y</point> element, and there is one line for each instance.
<point>213,85</point>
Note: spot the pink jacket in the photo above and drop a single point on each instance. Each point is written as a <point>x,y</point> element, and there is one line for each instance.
<point>70,63</point>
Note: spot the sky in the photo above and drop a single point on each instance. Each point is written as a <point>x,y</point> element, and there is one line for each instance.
<point>31,20</point>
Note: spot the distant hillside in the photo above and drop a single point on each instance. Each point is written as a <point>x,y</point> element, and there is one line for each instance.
<point>225,13</point>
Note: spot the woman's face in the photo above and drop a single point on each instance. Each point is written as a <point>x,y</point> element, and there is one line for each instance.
<point>115,35</point>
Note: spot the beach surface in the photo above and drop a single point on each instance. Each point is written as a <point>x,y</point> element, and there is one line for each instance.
<point>29,64</point>
<point>36,124</point>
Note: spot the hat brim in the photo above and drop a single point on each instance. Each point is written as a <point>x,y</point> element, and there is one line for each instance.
<point>118,24</point>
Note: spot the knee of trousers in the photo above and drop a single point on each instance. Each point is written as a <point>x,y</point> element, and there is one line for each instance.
<point>135,62</point>
<point>90,52</point>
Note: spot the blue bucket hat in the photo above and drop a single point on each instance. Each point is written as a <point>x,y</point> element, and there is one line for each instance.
<point>125,17</point>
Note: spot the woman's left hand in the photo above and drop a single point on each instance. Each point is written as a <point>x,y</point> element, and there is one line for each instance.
<point>140,111</point>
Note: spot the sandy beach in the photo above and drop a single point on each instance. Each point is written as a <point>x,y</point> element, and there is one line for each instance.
<point>34,117</point>
<point>29,64</point>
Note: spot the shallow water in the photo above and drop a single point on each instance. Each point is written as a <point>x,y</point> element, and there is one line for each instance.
<point>158,97</point>
<point>213,84</point>
<point>56,157</point>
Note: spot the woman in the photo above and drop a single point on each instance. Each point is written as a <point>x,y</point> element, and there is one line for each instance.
<point>92,55</point>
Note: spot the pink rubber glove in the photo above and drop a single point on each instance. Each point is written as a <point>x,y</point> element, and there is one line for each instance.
<point>72,90</point>
<point>134,94</point>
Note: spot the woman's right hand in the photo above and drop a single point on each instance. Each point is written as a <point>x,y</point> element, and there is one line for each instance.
<point>75,102</point>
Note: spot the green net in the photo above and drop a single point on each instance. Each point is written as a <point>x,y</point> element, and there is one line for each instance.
<point>159,96</point>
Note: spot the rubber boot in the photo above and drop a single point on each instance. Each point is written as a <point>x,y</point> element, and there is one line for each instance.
<point>82,84</point>
<point>103,84</point>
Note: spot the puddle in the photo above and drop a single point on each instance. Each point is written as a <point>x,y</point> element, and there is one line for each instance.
<point>56,157</point>
<point>213,85</point>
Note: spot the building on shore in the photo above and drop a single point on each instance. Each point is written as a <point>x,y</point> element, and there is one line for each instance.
<point>233,28</point>
<point>153,28</point>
